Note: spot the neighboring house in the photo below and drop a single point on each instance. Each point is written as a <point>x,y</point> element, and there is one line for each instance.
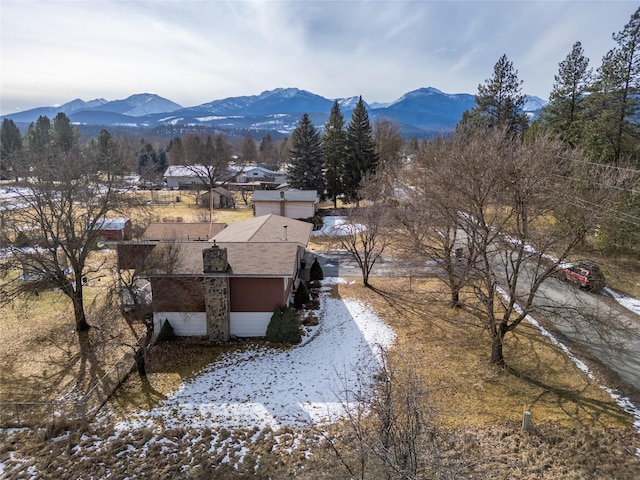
<point>112,230</point>
<point>286,203</point>
<point>191,177</point>
<point>231,285</point>
<point>260,177</point>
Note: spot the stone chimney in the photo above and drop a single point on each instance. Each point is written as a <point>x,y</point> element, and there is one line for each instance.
<point>214,259</point>
<point>216,293</point>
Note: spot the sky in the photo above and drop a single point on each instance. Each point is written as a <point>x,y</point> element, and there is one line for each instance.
<point>196,51</point>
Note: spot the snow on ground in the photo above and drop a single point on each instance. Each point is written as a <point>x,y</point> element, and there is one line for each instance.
<point>337,225</point>
<point>629,303</point>
<point>269,387</point>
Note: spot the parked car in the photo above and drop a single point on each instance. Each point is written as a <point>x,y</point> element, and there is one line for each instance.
<point>586,275</point>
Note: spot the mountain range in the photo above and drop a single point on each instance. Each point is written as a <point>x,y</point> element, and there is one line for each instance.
<point>422,113</point>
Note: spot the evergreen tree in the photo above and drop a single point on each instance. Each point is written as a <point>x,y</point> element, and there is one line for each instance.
<point>564,114</point>
<point>614,103</point>
<point>39,138</point>
<point>146,161</point>
<point>10,146</point>
<point>499,101</point>
<point>161,163</point>
<point>333,146</point>
<point>361,158</point>
<point>65,136</point>
<point>106,149</point>
<point>306,159</point>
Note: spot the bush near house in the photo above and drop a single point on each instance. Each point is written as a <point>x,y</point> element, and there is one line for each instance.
<point>284,327</point>
<point>166,332</point>
<point>315,272</point>
<point>302,295</point>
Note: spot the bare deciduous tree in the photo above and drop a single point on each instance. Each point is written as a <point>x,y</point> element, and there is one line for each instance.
<point>388,429</point>
<point>52,226</point>
<point>517,209</point>
<point>364,237</point>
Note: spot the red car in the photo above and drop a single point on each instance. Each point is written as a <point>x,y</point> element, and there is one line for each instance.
<point>585,274</point>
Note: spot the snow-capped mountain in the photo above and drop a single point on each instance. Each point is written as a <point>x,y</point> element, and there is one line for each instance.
<point>422,113</point>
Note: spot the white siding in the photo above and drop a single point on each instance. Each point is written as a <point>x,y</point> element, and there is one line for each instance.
<point>291,209</point>
<point>299,210</point>
<point>267,208</point>
<point>184,324</point>
<point>250,324</point>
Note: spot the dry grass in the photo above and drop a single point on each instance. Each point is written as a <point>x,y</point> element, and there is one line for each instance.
<point>43,358</point>
<point>162,207</point>
<point>467,390</point>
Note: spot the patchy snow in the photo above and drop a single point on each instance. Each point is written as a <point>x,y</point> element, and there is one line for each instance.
<point>629,303</point>
<point>269,387</point>
<point>337,225</point>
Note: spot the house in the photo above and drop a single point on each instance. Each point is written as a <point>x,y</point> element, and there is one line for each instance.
<point>190,177</point>
<point>112,230</point>
<point>286,203</point>
<point>258,176</point>
<point>231,285</point>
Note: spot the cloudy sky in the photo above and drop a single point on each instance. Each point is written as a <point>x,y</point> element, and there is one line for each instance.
<point>195,51</point>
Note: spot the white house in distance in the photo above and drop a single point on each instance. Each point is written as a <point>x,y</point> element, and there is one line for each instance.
<point>257,175</point>
<point>286,203</point>
<point>178,176</point>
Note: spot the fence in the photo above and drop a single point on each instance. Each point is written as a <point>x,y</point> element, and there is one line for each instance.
<point>38,414</point>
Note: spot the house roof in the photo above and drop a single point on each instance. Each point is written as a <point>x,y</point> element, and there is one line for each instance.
<point>289,195</point>
<point>267,228</point>
<point>182,231</point>
<point>186,171</point>
<point>111,223</point>
<point>266,259</point>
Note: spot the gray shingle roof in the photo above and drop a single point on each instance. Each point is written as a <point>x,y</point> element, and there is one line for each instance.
<point>275,259</point>
<point>267,228</point>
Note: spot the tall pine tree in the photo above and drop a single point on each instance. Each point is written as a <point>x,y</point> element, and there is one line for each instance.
<point>361,158</point>
<point>499,101</point>
<point>564,114</point>
<point>614,104</point>
<point>10,147</point>
<point>306,159</point>
<point>333,145</point>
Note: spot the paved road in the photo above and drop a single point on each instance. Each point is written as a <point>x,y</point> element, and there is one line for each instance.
<point>596,324</point>
<point>336,263</point>
<point>589,322</point>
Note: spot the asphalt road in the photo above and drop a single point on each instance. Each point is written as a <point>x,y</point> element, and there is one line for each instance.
<point>593,324</point>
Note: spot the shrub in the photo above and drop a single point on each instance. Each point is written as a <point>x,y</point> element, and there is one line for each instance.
<point>302,295</point>
<point>315,272</point>
<point>166,332</point>
<point>283,327</point>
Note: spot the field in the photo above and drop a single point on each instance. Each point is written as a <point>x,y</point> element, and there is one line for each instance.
<point>474,408</point>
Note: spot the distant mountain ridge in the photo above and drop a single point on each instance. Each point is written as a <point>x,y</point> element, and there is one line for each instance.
<point>425,112</point>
